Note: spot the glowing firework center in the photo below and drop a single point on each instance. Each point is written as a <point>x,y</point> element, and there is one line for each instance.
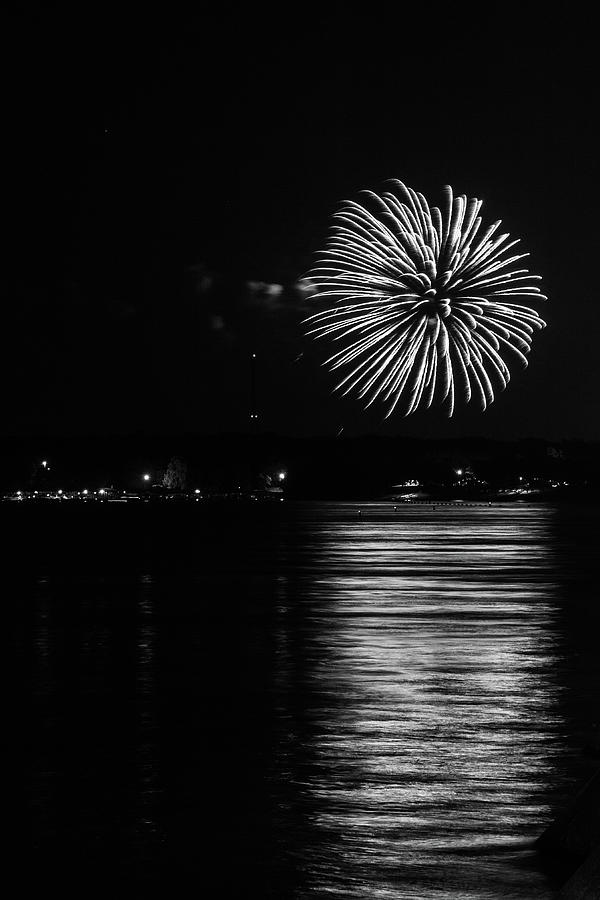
<point>422,303</point>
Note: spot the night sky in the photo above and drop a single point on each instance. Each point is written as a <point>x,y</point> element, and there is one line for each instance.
<point>163,173</point>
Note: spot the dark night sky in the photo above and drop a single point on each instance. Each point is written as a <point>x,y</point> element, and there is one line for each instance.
<point>156,166</point>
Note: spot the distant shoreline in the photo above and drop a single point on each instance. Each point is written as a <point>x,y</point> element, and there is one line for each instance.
<point>502,498</point>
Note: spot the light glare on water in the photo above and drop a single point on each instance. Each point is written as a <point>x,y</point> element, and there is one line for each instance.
<point>434,727</point>
<point>306,701</point>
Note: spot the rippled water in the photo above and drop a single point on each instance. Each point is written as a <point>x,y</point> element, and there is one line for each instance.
<point>305,700</point>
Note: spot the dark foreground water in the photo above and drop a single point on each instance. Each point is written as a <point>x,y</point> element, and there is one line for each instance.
<point>298,701</point>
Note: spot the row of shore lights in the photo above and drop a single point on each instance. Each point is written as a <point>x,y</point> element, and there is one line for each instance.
<point>145,477</point>
<point>280,476</point>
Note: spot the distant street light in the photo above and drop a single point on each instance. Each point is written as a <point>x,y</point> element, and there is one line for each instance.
<point>459,471</point>
<point>281,476</point>
<point>146,477</point>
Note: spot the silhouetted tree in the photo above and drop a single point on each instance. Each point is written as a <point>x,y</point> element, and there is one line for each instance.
<point>175,478</point>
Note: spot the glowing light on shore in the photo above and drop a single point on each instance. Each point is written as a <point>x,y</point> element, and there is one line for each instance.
<point>424,303</point>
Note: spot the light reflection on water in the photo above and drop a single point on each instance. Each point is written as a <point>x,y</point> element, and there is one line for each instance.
<point>146,792</point>
<point>343,705</point>
<point>432,763</point>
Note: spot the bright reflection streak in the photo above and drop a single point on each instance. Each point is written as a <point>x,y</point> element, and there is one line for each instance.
<point>435,736</point>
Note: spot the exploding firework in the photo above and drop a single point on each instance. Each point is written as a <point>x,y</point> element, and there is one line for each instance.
<point>426,303</point>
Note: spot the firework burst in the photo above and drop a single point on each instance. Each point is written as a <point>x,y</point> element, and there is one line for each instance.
<point>426,303</point>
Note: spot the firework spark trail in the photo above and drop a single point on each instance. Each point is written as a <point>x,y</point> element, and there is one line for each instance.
<point>422,303</point>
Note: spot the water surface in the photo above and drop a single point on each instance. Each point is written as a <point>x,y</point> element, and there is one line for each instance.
<point>300,700</point>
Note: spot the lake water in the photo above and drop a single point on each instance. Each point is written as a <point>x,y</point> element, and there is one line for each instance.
<point>299,700</point>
